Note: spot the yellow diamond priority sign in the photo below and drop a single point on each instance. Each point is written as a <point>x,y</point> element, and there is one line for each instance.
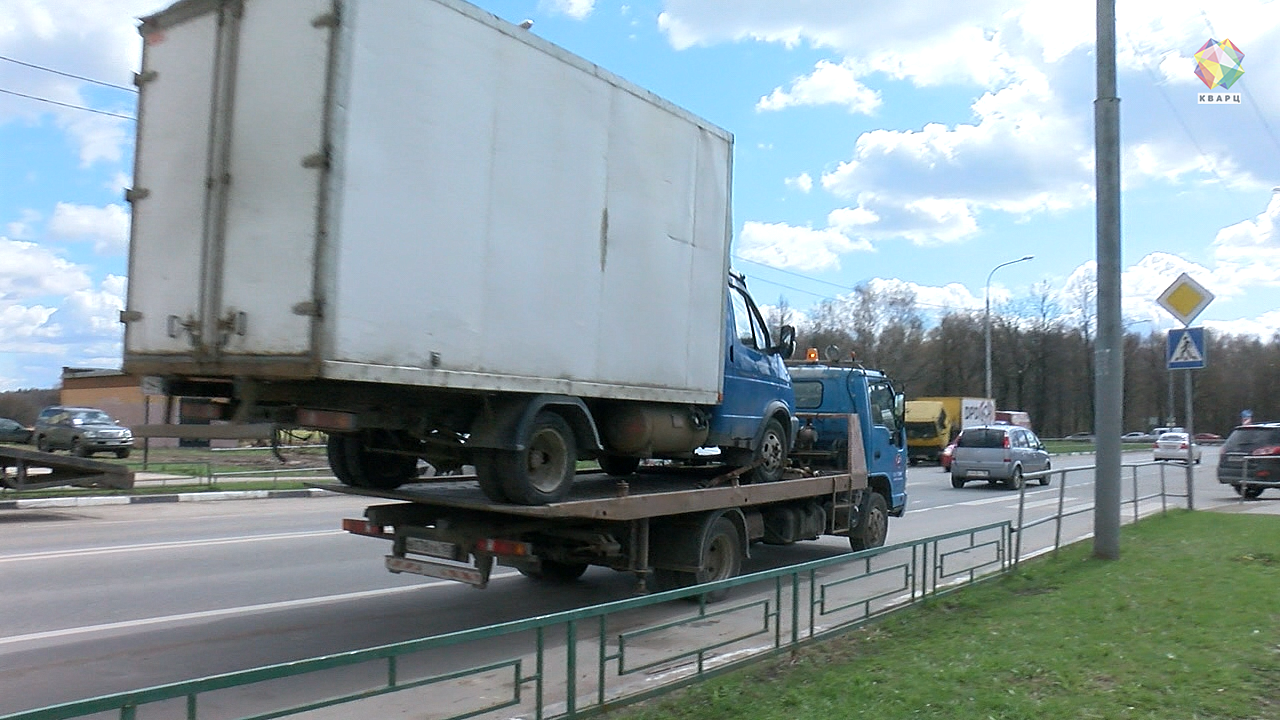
<point>1185,298</point>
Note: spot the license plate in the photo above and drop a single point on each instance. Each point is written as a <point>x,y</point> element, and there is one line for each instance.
<point>434,548</point>
<point>978,473</point>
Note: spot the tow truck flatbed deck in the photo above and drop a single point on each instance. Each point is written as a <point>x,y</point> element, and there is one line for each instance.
<point>599,496</point>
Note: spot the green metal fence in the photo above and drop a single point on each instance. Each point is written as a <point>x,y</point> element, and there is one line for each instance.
<point>581,662</point>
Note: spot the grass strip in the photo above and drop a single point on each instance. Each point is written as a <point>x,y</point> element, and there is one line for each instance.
<point>1186,624</point>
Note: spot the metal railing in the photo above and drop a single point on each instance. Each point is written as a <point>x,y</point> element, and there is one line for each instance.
<point>1134,502</point>
<point>581,662</point>
<point>1249,488</point>
<point>584,661</point>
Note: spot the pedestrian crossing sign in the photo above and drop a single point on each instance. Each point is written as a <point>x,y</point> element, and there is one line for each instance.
<point>1186,348</point>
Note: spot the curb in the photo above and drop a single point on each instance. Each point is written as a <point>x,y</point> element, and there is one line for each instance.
<point>64,502</point>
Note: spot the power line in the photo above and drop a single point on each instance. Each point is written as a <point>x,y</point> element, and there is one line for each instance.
<point>67,74</point>
<point>825,282</point>
<point>67,105</point>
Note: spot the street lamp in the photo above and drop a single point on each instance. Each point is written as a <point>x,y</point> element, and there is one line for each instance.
<point>986,324</point>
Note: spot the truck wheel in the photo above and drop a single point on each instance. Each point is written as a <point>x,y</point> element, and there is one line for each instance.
<point>335,451</point>
<point>957,481</point>
<point>874,525</point>
<point>771,454</point>
<point>618,465</point>
<point>720,558</point>
<point>554,571</point>
<point>488,475</point>
<point>1252,492</point>
<point>542,472</point>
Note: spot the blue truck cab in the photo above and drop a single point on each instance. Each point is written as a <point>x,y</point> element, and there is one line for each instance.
<point>827,392</point>
<point>755,419</point>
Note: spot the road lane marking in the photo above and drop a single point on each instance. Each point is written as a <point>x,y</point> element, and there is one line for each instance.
<point>144,547</point>
<point>226,612</point>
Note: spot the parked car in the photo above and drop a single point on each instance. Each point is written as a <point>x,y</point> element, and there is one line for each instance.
<point>84,431</point>
<point>945,457</point>
<point>1260,444</point>
<point>13,431</point>
<point>1173,446</point>
<point>1205,438</point>
<point>998,452</point>
<point>1080,436</point>
<point>1137,437</point>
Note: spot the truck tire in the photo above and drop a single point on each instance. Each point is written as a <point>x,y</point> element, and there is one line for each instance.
<point>489,478</point>
<point>873,527</point>
<point>335,451</point>
<point>719,549</point>
<point>771,454</point>
<point>542,472</point>
<point>554,571</point>
<point>618,465</point>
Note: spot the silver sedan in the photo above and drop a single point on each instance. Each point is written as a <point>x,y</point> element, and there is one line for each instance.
<point>1173,446</point>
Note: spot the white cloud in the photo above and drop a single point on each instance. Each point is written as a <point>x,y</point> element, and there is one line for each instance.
<point>787,246</point>
<point>95,313</point>
<point>829,84</point>
<point>23,328</point>
<point>801,182</point>
<point>576,9</point>
<point>28,271</point>
<point>923,221</point>
<point>1248,253</point>
<point>22,229</point>
<point>107,227</point>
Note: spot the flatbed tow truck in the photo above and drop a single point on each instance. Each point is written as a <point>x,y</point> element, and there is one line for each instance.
<point>670,526</point>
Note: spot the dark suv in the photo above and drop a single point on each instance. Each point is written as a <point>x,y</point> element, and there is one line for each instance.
<point>81,430</point>
<point>1251,452</point>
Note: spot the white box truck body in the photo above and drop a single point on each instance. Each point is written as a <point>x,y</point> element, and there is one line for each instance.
<point>407,216</point>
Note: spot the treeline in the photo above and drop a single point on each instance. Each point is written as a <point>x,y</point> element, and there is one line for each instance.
<point>24,405</point>
<point>1042,361</point>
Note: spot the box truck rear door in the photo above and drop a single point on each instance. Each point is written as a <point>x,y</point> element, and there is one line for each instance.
<point>232,155</point>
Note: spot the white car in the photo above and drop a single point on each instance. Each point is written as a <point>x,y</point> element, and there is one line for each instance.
<point>1173,446</point>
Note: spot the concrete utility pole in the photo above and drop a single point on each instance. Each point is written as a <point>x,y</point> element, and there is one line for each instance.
<point>1109,352</point>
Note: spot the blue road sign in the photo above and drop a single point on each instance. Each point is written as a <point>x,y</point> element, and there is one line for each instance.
<point>1186,349</point>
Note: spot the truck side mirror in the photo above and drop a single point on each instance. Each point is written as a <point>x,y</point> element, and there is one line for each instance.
<point>786,346</point>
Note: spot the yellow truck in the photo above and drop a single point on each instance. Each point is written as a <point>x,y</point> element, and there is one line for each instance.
<point>933,422</point>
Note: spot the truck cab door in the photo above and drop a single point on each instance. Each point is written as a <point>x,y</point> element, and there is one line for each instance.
<point>886,443</point>
<point>755,378</point>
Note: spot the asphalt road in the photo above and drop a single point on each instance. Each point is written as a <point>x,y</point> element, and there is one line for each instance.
<point>113,598</point>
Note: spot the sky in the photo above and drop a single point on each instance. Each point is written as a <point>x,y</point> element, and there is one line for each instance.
<point>890,145</point>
